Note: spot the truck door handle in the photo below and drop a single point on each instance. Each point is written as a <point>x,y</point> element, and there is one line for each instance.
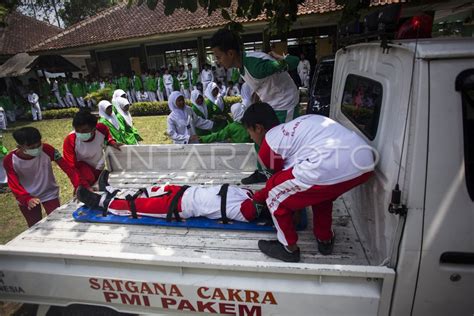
<point>457,257</point>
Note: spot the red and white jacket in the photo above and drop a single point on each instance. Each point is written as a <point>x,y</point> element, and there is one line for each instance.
<point>28,178</point>
<point>320,151</point>
<point>90,152</point>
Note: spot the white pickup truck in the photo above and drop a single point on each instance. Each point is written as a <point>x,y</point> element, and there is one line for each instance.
<point>413,103</point>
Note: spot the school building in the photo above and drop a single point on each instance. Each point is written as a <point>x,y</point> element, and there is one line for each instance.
<point>121,38</point>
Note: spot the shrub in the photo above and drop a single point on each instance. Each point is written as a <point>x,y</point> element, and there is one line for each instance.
<point>161,108</point>
<point>58,113</point>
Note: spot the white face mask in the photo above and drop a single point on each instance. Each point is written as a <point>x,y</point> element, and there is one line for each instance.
<point>84,136</point>
<point>35,152</point>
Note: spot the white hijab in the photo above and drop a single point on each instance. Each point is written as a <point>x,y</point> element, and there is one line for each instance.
<point>103,105</point>
<point>216,100</point>
<point>203,108</point>
<point>237,110</point>
<point>118,93</point>
<point>177,112</point>
<point>119,104</point>
<point>246,93</point>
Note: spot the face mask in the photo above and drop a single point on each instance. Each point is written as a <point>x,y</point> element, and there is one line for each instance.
<point>84,136</point>
<point>35,152</point>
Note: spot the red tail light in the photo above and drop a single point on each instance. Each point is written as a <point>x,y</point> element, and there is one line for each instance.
<point>419,26</point>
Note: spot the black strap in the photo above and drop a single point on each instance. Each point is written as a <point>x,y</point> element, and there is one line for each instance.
<point>173,209</point>
<point>223,195</point>
<point>131,201</point>
<point>109,196</point>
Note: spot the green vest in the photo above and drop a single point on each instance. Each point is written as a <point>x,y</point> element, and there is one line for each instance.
<point>130,134</point>
<point>116,133</point>
<point>150,84</point>
<point>123,83</point>
<point>200,132</point>
<point>235,132</point>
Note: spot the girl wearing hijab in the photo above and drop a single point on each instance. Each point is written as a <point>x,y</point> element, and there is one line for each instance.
<point>215,107</point>
<point>182,121</point>
<point>109,119</point>
<point>198,106</point>
<point>235,132</point>
<point>130,133</point>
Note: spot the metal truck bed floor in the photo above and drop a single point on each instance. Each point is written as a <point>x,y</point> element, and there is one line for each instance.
<point>60,232</point>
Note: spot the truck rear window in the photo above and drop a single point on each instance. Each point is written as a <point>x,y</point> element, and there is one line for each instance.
<point>361,103</point>
<point>465,85</point>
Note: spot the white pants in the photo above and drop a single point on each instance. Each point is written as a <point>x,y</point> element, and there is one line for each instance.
<point>160,95</point>
<point>70,100</point>
<point>304,77</point>
<point>36,112</point>
<point>185,91</point>
<point>132,96</point>
<point>60,100</point>
<point>169,90</point>
<point>80,101</point>
<point>151,96</point>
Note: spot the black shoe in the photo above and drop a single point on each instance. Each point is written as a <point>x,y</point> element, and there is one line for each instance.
<point>274,249</point>
<point>325,247</point>
<point>87,197</point>
<point>256,177</point>
<point>103,180</point>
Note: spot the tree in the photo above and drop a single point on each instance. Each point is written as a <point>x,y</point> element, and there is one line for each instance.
<point>77,10</point>
<point>280,13</point>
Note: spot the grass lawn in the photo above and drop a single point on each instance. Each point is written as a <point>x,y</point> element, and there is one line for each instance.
<point>12,222</point>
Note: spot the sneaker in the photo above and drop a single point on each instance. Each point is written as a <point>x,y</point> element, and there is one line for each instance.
<point>325,246</point>
<point>103,180</point>
<point>256,177</point>
<point>87,197</point>
<point>274,249</point>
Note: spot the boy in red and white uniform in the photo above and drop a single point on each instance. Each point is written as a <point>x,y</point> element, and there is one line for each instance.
<point>30,174</point>
<point>313,160</point>
<point>192,201</point>
<point>82,148</point>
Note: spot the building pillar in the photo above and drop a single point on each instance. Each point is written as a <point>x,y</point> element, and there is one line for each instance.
<point>96,71</point>
<point>201,52</point>
<point>266,41</point>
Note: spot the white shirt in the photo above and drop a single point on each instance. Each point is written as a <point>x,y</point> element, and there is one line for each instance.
<point>278,89</point>
<point>33,98</point>
<point>180,130</point>
<point>168,79</point>
<point>303,67</point>
<point>43,184</point>
<point>206,75</point>
<point>88,151</point>
<point>204,201</point>
<point>320,150</point>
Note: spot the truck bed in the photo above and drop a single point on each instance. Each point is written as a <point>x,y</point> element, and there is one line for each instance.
<point>153,269</point>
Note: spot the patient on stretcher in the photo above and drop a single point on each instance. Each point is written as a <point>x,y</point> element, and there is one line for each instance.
<point>226,202</point>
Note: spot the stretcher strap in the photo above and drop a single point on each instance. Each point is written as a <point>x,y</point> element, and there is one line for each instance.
<point>131,201</point>
<point>223,195</point>
<point>173,209</point>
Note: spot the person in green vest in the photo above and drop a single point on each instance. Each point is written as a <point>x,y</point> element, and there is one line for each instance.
<point>62,91</point>
<point>124,84</point>
<point>183,82</point>
<point>8,106</point>
<point>174,74</point>
<point>135,85</point>
<point>78,92</point>
<point>69,97</point>
<point>160,86</point>
<point>215,107</point>
<point>3,174</point>
<point>200,108</point>
<point>92,86</point>
<point>109,119</point>
<point>193,77</point>
<point>121,109</point>
<point>151,85</point>
<point>234,132</point>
